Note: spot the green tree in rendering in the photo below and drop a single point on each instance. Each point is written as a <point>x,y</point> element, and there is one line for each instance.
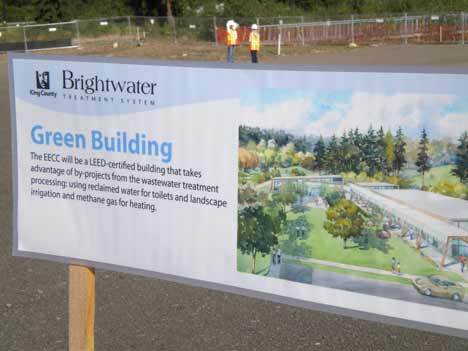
<point>381,154</point>
<point>348,152</point>
<point>319,154</point>
<point>286,195</point>
<point>309,161</point>
<point>400,152</point>
<point>332,156</point>
<point>371,151</point>
<point>389,151</point>
<point>423,161</point>
<point>345,220</point>
<point>461,160</point>
<point>298,228</point>
<point>256,232</point>
<point>357,141</point>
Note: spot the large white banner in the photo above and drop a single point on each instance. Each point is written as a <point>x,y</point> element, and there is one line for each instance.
<point>323,188</point>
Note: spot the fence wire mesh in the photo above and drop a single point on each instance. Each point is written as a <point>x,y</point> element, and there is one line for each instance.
<point>298,30</point>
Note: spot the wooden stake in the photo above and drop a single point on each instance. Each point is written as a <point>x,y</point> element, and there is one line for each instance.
<point>81,308</point>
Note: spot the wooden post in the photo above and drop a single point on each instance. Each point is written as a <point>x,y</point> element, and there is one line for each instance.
<point>25,39</point>
<point>81,308</point>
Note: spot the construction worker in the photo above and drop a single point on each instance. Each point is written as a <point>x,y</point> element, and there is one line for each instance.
<point>231,28</point>
<point>254,40</point>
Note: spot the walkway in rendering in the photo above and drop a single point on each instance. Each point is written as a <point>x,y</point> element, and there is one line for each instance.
<point>355,268</point>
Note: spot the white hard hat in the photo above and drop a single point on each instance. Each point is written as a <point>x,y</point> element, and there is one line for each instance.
<point>230,23</point>
<point>254,26</point>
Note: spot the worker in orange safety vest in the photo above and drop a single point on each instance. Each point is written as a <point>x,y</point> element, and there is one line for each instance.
<point>231,39</point>
<point>254,40</point>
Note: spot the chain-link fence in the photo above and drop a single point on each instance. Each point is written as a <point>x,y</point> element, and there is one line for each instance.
<point>403,29</point>
<point>278,31</point>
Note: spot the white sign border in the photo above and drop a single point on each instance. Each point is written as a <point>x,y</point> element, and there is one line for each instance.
<point>199,283</point>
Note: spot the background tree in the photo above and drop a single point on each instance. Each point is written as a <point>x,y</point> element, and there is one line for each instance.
<point>298,228</point>
<point>319,154</point>
<point>248,159</point>
<point>25,10</point>
<point>256,232</point>
<point>461,159</point>
<point>345,153</point>
<point>357,158</point>
<point>331,195</point>
<point>332,156</point>
<point>4,10</point>
<point>309,161</point>
<point>49,11</point>
<point>287,195</point>
<point>400,152</point>
<point>389,152</point>
<point>371,151</point>
<point>423,161</point>
<point>345,220</point>
<point>381,154</point>
<point>286,154</point>
<point>298,158</point>
<point>247,195</point>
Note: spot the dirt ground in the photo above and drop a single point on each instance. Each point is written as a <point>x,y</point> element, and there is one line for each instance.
<point>137,313</point>
<point>438,55</point>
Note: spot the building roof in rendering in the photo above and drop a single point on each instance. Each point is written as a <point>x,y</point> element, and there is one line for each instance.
<point>376,184</point>
<point>446,207</point>
<point>420,219</point>
<point>310,177</point>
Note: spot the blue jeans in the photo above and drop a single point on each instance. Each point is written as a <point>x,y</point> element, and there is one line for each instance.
<point>230,53</point>
<point>254,56</point>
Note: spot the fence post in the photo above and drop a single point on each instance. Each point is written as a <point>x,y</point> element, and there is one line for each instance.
<point>215,30</point>
<point>78,33</point>
<point>25,39</point>
<point>406,29</point>
<point>172,22</point>
<point>302,27</point>
<point>279,37</point>
<point>463,27</point>
<point>352,29</point>
<point>129,22</point>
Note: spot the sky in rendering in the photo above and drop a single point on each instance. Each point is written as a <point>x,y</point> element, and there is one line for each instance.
<point>330,112</point>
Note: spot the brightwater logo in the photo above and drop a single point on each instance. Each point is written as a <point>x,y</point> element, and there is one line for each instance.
<point>43,85</point>
<point>43,80</point>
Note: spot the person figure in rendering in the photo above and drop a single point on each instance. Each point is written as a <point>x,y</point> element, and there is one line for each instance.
<point>254,40</point>
<point>231,39</point>
<point>393,264</point>
<point>462,263</point>
<point>278,256</point>
<point>398,268</point>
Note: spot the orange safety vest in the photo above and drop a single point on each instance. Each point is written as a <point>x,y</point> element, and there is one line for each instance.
<point>254,39</point>
<point>232,37</point>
